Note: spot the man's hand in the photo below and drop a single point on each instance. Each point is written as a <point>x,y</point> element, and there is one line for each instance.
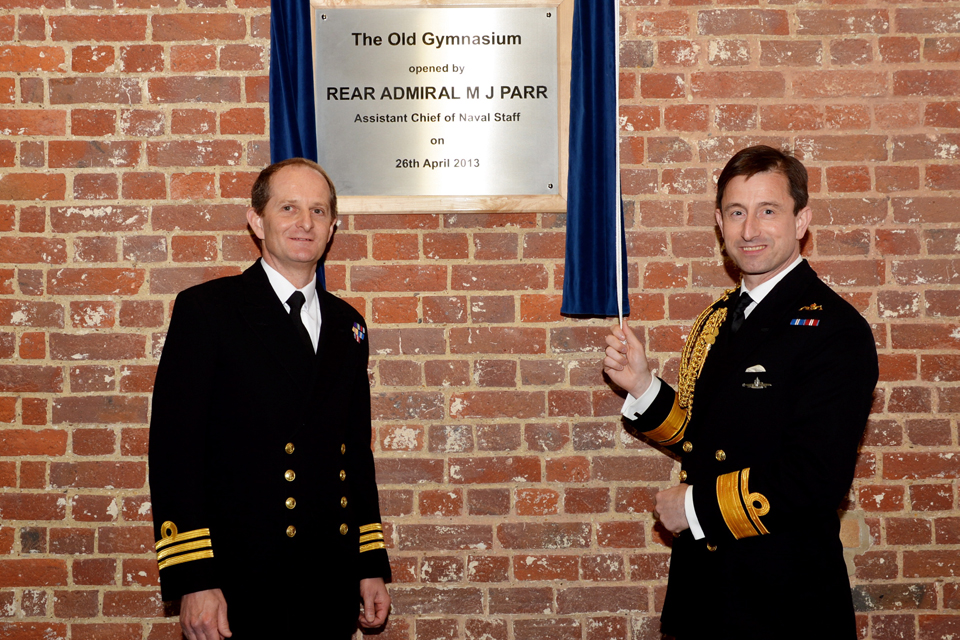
<point>626,361</point>
<point>203,615</point>
<point>376,603</point>
<point>669,509</point>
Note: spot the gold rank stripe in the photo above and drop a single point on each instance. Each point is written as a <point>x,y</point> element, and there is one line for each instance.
<point>180,537</point>
<point>197,555</point>
<point>376,526</point>
<point>372,546</point>
<point>371,536</point>
<point>671,430</point>
<point>749,499</point>
<point>186,546</point>
<point>737,505</point>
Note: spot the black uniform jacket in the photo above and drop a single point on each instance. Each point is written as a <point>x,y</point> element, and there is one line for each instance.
<point>261,472</point>
<point>767,422</point>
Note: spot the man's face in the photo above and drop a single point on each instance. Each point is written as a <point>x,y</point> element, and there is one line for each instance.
<point>761,234</point>
<point>296,224</point>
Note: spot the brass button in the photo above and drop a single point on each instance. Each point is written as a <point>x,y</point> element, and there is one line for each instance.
<point>720,455</point>
<point>688,446</point>
<point>343,474</point>
<point>683,476</point>
<point>291,503</point>
<point>291,531</point>
<point>343,502</point>
<point>711,547</point>
<point>343,529</point>
<point>289,447</point>
<point>343,448</point>
<point>289,475</point>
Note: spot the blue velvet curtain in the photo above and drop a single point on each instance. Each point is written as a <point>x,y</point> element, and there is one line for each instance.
<point>593,200</point>
<point>293,128</point>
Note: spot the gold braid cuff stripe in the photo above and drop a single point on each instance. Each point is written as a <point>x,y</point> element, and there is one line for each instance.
<point>371,536</point>
<point>372,546</point>
<point>750,498</point>
<point>169,534</point>
<point>376,526</point>
<point>670,430</point>
<point>186,546</point>
<point>702,336</point>
<point>737,505</point>
<point>197,555</point>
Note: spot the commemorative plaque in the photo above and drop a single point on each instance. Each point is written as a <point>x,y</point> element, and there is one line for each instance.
<point>433,101</point>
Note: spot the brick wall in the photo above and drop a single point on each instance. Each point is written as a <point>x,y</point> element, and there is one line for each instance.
<point>516,505</point>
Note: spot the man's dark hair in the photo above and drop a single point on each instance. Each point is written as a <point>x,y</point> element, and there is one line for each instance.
<point>260,194</point>
<point>759,159</point>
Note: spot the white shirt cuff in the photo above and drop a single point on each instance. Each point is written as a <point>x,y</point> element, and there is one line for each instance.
<point>633,407</point>
<point>691,514</point>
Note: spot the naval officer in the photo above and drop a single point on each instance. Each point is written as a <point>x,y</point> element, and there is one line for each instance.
<point>262,478</point>
<point>775,384</point>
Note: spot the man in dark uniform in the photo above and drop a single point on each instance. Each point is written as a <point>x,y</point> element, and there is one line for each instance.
<point>262,479</point>
<point>775,385</point>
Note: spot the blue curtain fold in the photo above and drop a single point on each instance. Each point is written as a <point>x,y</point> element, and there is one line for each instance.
<point>293,127</point>
<point>590,276</point>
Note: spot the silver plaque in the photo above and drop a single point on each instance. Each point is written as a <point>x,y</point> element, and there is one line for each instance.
<point>438,101</point>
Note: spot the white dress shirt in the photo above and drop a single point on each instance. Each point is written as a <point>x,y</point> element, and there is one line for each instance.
<point>632,407</point>
<point>310,313</point>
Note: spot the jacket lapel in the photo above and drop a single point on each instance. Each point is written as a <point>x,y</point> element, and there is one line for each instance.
<point>272,330</point>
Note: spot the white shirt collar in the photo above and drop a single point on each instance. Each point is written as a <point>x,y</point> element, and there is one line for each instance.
<point>311,307</point>
<point>760,292</point>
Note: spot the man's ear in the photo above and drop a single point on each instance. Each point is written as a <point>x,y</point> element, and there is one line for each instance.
<point>803,221</point>
<point>256,222</point>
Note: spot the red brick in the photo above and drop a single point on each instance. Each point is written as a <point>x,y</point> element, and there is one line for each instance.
<point>83,154</point>
<point>27,59</point>
<point>93,508</point>
<point>876,565</point>
<point>99,410</point>
<point>931,497</point>
<point>649,566</point>
<point>790,53</point>
<point>198,26</point>
<point>679,53</point>
<point>662,23</point>
<point>428,537</point>
<point>923,209</point>
<point>737,84</point>
<point>33,630</point>
<point>488,502</point>
<point>94,442</point>
<point>256,89</point>
<point>931,564</point>
<point>398,278</point>
<point>909,531</point>
<point>593,599</point>
<point>620,534</point>
<point>241,57</point>
<point>553,535</point>
<point>445,246</point>
<point>134,441</point>
<point>912,466</point>
<point>545,567</point>
<point>409,471</point>
<point>487,470</point>
<point>95,571</point>
<point>922,82</point>
<point>497,404</point>
<point>33,186</point>
<point>440,503</point>
<point>242,122</point>
<point>936,627</point>
<point>537,502</point>
<point>106,631</point>
<point>190,153</point>
<point>521,600</point>
<point>132,604</point>
<point>401,373</point>
<point>441,569</point>
<point>942,303</point>
<point>33,572</point>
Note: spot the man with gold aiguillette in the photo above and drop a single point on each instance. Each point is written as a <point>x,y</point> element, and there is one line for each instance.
<point>775,384</point>
<point>265,503</point>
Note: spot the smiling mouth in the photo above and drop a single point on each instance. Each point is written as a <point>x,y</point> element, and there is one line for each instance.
<point>753,249</point>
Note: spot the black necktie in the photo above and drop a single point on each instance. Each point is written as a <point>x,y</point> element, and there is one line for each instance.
<point>738,313</point>
<point>296,302</point>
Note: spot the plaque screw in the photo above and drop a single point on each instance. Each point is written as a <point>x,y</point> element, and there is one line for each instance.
<point>550,186</point>
<point>549,15</point>
<point>323,16</point>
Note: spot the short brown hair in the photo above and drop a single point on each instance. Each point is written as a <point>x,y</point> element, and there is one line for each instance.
<point>260,194</point>
<point>760,159</point>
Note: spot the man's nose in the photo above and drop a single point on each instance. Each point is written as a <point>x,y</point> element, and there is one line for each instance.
<point>751,227</point>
